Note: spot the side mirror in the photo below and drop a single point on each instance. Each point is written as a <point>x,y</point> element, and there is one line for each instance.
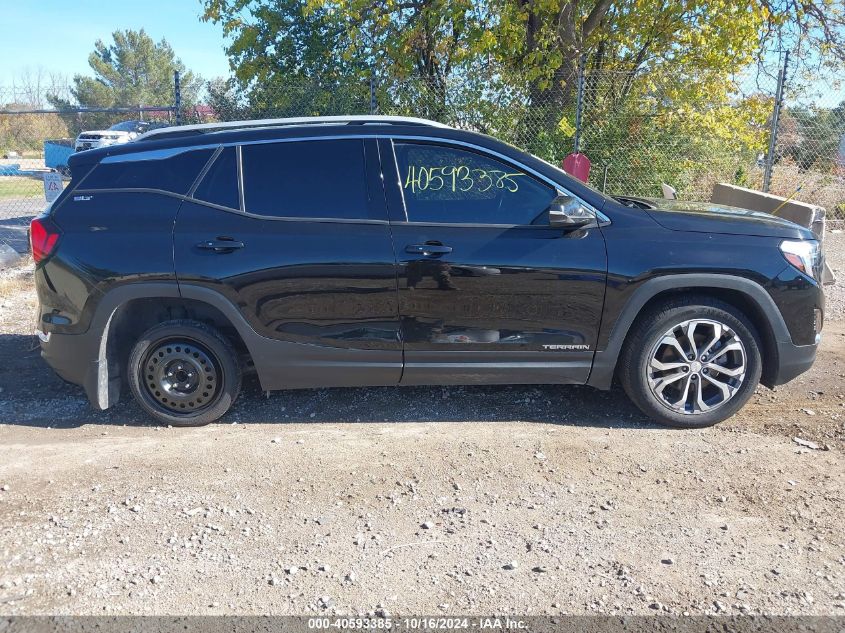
<point>567,213</point>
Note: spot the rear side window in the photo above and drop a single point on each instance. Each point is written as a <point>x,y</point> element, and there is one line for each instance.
<point>220,183</point>
<point>175,173</point>
<point>306,179</point>
<point>446,184</point>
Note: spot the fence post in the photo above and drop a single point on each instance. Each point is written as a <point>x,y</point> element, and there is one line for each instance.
<point>373,102</point>
<point>177,97</point>
<point>579,102</point>
<point>773,132</point>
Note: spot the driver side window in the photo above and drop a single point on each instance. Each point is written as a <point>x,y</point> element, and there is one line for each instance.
<point>449,185</point>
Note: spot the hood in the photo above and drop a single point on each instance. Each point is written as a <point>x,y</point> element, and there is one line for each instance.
<point>114,133</point>
<point>706,217</point>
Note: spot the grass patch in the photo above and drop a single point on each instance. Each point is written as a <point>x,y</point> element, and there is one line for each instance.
<point>20,187</point>
<point>11,286</point>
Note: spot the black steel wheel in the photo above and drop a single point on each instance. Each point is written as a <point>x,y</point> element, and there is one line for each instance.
<point>184,373</point>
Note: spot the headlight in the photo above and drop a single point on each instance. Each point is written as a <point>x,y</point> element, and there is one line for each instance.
<point>803,255</point>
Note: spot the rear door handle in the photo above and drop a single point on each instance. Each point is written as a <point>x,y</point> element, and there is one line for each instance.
<point>428,249</point>
<point>221,245</point>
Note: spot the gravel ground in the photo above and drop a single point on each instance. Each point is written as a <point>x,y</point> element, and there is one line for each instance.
<point>523,500</point>
<point>15,215</point>
<point>835,254</point>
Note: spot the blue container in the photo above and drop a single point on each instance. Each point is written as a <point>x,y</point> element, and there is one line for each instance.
<point>56,153</point>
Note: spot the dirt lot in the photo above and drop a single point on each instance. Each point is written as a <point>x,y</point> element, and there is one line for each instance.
<point>524,500</point>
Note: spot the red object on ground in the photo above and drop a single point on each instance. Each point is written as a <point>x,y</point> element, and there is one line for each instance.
<point>577,165</point>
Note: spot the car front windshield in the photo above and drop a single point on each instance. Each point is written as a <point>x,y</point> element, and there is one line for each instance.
<point>128,126</point>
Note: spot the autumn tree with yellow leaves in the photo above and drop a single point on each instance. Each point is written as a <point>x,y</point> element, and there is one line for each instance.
<point>672,68</point>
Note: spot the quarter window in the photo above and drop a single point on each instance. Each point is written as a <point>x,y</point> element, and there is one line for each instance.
<point>445,184</point>
<point>306,179</point>
<point>220,183</point>
<point>174,173</point>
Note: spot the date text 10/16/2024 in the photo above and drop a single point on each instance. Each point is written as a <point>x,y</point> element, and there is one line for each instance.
<point>419,623</point>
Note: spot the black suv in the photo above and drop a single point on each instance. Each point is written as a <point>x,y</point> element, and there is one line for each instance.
<point>356,251</point>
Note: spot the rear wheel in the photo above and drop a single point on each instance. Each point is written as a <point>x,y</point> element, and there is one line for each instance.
<point>691,362</point>
<point>184,373</point>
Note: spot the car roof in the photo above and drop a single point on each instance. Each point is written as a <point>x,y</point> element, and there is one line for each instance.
<point>212,128</point>
<point>216,134</point>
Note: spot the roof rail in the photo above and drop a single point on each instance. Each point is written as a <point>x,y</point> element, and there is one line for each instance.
<point>207,128</point>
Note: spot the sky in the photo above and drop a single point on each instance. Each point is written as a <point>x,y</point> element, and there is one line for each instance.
<point>58,35</point>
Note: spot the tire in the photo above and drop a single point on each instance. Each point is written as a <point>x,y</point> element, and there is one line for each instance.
<point>184,373</point>
<point>656,377</point>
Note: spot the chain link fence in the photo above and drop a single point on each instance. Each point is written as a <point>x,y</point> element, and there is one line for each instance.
<point>809,156</point>
<point>36,139</point>
<point>638,131</point>
<point>643,134</point>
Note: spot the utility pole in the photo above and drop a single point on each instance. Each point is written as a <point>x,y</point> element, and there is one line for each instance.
<point>773,132</point>
<point>373,101</point>
<point>177,100</point>
<point>579,103</point>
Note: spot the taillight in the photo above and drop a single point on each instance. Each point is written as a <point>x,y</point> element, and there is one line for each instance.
<point>43,237</point>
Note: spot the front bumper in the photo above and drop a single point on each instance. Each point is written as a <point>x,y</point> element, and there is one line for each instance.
<point>82,146</point>
<point>85,144</point>
<point>794,360</point>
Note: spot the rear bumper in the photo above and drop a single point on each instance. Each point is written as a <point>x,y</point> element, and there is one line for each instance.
<point>89,358</point>
<point>74,357</point>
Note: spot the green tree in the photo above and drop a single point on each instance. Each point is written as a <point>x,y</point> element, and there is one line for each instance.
<point>661,73</point>
<point>223,98</point>
<point>812,136</point>
<point>289,59</point>
<point>26,132</point>
<point>535,41</point>
<point>339,45</point>
<point>133,70</point>
<point>283,39</point>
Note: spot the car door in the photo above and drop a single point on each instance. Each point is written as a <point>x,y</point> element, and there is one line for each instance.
<point>295,234</point>
<point>488,290</point>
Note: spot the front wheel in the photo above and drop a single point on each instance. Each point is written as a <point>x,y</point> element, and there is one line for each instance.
<point>184,373</point>
<point>691,362</point>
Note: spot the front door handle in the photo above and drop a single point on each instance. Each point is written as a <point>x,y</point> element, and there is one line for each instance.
<point>221,245</point>
<point>428,249</point>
